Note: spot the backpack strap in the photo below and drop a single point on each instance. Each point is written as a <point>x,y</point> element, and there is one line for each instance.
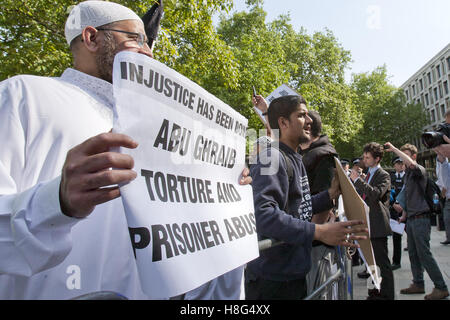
<point>289,166</point>
<point>290,174</point>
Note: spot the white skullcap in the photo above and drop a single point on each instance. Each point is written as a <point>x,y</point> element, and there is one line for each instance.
<point>95,14</point>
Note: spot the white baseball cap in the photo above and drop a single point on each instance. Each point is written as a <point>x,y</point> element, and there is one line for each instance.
<point>95,14</point>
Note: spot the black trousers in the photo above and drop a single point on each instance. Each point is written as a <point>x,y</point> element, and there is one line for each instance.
<point>397,254</point>
<point>262,289</point>
<point>380,251</point>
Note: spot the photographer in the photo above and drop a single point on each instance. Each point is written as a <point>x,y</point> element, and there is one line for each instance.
<point>418,226</point>
<point>443,172</point>
<point>439,141</point>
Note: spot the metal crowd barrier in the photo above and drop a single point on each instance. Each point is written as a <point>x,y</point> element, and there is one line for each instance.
<point>343,275</point>
<point>340,277</point>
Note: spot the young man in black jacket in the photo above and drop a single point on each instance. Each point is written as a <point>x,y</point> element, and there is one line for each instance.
<point>284,207</point>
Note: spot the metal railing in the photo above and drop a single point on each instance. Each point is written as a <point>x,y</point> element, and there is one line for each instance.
<point>332,279</point>
<point>341,276</point>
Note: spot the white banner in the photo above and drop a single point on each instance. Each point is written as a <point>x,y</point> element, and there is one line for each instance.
<point>281,91</point>
<point>189,219</point>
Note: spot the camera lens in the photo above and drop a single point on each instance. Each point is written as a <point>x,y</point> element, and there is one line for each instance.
<point>432,139</point>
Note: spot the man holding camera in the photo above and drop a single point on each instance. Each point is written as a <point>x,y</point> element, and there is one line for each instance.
<point>442,171</point>
<point>418,226</point>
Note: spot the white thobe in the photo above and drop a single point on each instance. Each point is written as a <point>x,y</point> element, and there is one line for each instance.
<point>43,253</point>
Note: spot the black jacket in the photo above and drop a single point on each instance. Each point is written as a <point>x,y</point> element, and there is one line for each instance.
<point>271,192</point>
<point>319,164</point>
<point>377,198</point>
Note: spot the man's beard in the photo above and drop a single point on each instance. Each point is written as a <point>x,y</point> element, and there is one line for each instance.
<point>304,138</point>
<point>105,58</point>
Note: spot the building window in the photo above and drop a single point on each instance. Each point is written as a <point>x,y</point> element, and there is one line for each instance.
<point>438,70</point>
<point>446,87</point>
<point>407,95</point>
<point>443,110</point>
<point>436,97</point>
<point>433,116</point>
<point>429,78</point>
<point>427,101</point>
<point>414,89</point>
<point>421,84</point>
<point>448,63</point>
<point>440,90</point>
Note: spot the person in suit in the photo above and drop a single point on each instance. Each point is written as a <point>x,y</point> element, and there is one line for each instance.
<point>397,178</point>
<point>374,190</point>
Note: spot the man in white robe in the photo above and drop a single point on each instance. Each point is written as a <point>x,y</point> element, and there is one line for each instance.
<point>63,231</point>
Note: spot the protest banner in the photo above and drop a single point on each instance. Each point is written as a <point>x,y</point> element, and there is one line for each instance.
<point>189,219</point>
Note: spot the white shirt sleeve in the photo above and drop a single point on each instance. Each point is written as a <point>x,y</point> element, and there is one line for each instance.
<point>439,181</point>
<point>34,233</point>
<point>445,173</point>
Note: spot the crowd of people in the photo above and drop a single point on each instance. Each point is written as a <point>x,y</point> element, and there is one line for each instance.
<point>60,207</point>
<point>378,189</point>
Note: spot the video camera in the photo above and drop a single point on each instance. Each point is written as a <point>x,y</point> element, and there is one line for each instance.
<point>433,139</point>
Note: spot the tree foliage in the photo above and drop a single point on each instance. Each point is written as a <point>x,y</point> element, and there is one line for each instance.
<point>272,53</point>
<point>33,41</point>
<point>244,50</point>
<point>385,114</point>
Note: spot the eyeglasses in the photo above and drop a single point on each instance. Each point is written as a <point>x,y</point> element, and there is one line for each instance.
<point>141,39</point>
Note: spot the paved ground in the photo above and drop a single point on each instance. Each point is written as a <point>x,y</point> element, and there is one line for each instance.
<point>403,275</point>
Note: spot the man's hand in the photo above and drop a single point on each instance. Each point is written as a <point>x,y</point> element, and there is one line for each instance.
<point>389,147</point>
<point>354,174</point>
<point>341,233</point>
<point>443,150</point>
<point>260,103</point>
<point>335,189</point>
<point>397,207</point>
<point>87,179</point>
<point>246,178</point>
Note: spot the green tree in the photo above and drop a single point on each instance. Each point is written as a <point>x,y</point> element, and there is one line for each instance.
<point>272,53</point>
<point>243,51</point>
<point>32,37</point>
<point>33,42</point>
<point>257,48</point>
<point>386,115</point>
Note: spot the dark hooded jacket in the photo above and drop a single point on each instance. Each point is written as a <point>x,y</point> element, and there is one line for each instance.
<point>319,164</point>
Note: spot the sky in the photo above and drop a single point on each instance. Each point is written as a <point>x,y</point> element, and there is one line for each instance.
<point>403,34</point>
